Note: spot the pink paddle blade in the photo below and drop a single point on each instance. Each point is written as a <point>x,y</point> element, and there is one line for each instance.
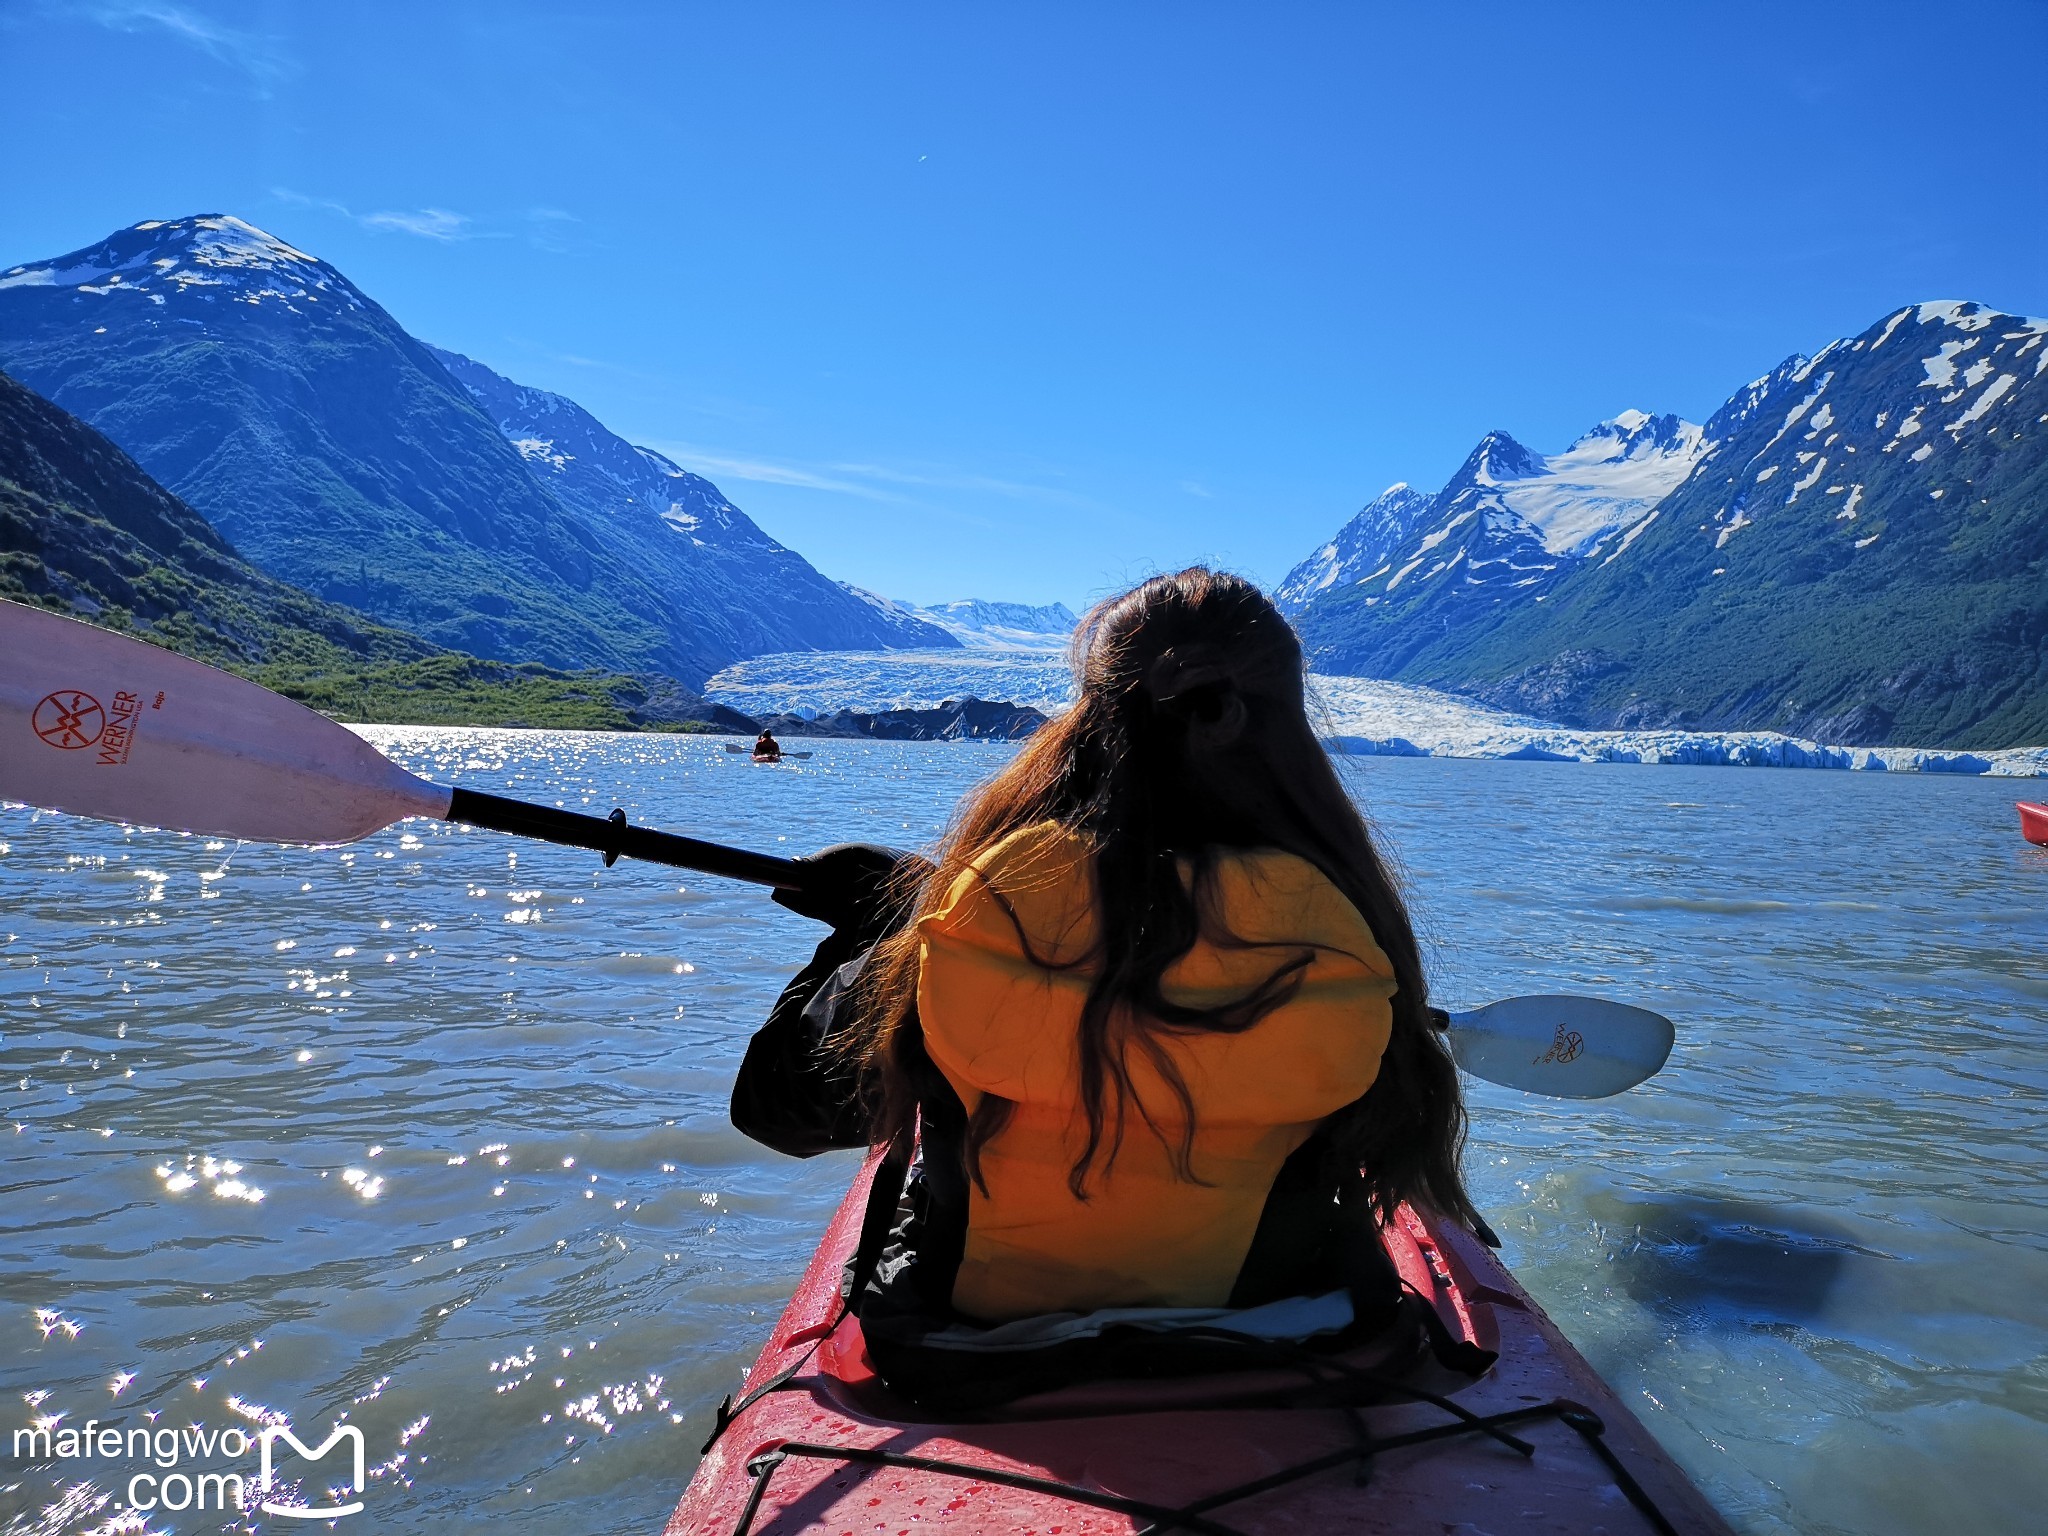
<point>103,725</point>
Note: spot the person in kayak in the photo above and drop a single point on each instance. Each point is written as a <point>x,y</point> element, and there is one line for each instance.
<point>767,747</point>
<point>1155,1021</point>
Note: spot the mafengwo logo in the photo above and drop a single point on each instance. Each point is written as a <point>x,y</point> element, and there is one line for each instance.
<point>266,1481</point>
<point>163,1486</point>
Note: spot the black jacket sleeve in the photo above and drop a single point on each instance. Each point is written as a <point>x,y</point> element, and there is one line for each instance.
<point>794,1093</point>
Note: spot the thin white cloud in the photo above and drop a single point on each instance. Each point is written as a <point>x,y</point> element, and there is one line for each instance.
<point>842,480</point>
<point>261,58</point>
<point>300,200</point>
<point>552,230</point>
<point>428,223</point>
<point>767,472</point>
<point>1196,488</point>
<point>951,480</point>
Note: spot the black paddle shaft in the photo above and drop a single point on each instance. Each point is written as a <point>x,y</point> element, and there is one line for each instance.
<point>613,838</point>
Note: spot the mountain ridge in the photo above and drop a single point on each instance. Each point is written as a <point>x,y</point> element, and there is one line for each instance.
<point>1859,554</point>
<point>1503,530</point>
<point>323,441</point>
<point>84,531</point>
<point>981,624</point>
<point>339,452</point>
<point>726,576</point>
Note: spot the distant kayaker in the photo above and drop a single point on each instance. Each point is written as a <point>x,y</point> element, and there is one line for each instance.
<point>766,746</point>
<point>1155,1022</point>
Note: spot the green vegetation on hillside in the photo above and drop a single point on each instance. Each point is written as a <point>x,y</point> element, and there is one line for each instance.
<point>461,690</point>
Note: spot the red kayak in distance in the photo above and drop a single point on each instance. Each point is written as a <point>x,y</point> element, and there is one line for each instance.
<point>2034,822</point>
<point>818,1445</point>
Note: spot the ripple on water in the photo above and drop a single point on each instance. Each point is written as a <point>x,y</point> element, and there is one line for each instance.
<point>427,1134</point>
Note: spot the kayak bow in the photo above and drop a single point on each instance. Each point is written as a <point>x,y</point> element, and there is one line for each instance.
<point>816,1443</point>
<point>2033,822</point>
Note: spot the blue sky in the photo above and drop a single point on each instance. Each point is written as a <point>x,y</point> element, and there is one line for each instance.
<point>1025,301</point>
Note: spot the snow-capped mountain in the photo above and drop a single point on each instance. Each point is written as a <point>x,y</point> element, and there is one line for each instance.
<point>985,626</point>
<point>988,626</point>
<point>1860,555</point>
<point>1510,516</point>
<point>266,390</point>
<point>336,451</point>
<point>215,256</point>
<point>1504,529</point>
<point>733,581</point>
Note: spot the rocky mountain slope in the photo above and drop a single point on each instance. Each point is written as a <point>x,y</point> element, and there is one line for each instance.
<point>1859,553</point>
<point>85,532</point>
<point>733,586</point>
<point>1362,547</point>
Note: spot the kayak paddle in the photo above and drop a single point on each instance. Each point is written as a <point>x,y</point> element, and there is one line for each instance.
<point>1565,1047</point>
<point>105,725</point>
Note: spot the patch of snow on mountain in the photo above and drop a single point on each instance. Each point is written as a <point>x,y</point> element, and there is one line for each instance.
<point>1607,481</point>
<point>1984,402</point>
<point>1960,313</point>
<point>1631,536</point>
<point>1794,416</point>
<point>1807,482</point>
<point>1890,326</point>
<point>1941,368</point>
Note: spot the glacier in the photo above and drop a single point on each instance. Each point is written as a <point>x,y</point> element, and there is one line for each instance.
<point>1356,716</point>
<point>810,683</point>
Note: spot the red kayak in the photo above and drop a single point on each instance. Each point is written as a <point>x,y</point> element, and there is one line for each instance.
<point>2034,822</point>
<point>1538,1444</point>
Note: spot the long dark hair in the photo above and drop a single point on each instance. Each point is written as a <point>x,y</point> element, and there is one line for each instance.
<point>1190,735</point>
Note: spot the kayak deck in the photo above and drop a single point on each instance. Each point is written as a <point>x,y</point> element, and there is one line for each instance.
<point>829,1450</point>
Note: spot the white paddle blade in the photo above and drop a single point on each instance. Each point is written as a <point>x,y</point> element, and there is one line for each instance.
<point>99,724</point>
<point>1566,1047</point>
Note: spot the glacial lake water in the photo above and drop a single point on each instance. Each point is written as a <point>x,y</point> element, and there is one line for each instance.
<point>429,1131</point>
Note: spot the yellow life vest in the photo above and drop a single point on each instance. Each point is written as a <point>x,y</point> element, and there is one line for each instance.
<point>1001,1011</point>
